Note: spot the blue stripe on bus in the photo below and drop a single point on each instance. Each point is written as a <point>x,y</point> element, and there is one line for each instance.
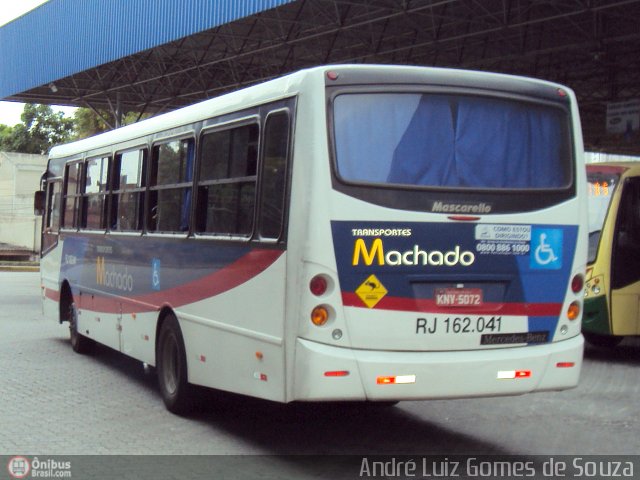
<point>163,271</point>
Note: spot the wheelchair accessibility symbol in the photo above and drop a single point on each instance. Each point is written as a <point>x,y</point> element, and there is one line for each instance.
<point>155,274</point>
<point>546,248</point>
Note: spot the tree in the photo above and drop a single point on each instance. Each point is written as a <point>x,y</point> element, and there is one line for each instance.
<point>5,130</point>
<point>41,129</point>
<point>90,122</point>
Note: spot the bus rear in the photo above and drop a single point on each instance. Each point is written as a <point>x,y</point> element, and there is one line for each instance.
<point>445,241</point>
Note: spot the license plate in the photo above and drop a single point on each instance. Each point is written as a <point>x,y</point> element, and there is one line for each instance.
<point>445,325</point>
<point>458,297</point>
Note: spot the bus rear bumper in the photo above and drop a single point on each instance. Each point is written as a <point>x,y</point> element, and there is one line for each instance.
<point>325,372</point>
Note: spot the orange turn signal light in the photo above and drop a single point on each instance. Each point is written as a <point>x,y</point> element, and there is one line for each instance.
<point>573,311</point>
<point>319,316</point>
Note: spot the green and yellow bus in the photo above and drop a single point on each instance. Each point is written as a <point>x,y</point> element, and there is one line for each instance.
<point>612,294</point>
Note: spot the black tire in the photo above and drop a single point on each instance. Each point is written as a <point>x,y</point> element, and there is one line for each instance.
<point>602,341</point>
<point>171,366</point>
<point>79,343</point>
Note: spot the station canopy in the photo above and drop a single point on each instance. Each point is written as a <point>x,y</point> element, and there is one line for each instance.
<point>154,56</point>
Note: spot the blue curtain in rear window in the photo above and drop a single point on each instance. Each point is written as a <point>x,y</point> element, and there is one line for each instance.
<point>426,158</point>
<point>502,144</point>
<point>450,141</point>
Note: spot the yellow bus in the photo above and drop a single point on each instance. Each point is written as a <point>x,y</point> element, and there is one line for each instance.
<point>612,294</point>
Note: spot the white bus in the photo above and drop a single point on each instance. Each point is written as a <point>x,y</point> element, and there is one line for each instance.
<point>352,233</point>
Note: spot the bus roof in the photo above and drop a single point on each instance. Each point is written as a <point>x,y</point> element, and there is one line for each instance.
<point>290,85</point>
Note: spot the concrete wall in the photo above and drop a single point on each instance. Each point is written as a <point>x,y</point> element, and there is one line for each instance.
<point>20,175</point>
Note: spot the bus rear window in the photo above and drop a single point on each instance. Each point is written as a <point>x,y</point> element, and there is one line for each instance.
<point>452,141</point>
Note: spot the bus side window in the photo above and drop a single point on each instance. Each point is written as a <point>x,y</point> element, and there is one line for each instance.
<point>227,183</point>
<point>94,206</point>
<point>52,215</point>
<point>274,175</point>
<point>72,195</point>
<point>127,207</point>
<point>170,186</point>
<point>52,221</point>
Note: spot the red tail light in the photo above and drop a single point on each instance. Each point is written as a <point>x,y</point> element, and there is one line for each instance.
<point>577,283</point>
<point>318,285</point>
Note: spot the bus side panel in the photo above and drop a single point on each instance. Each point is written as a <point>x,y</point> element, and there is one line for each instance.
<point>229,299</point>
<point>234,341</point>
<point>50,282</point>
<point>137,332</point>
<point>101,326</point>
<point>625,310</point>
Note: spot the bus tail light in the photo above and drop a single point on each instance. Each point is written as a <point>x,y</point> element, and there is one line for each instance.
<point>396,379</point>
<point>337,373</point>
<point>565,364</point>
<point>513,374</point>
<point>318,285</point>
<point>573,311</point>
<point>577,283</point>
<point>319,315</point>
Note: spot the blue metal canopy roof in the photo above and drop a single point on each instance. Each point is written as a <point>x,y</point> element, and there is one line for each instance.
<point>63,37</point>
<point>150,56</point>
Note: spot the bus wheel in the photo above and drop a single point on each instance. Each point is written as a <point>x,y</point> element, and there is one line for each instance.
<point>79,343</point>
<point>171,365</point>
<point>604,341</point>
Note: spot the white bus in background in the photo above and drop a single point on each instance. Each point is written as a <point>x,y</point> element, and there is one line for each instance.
<point>360,233</point>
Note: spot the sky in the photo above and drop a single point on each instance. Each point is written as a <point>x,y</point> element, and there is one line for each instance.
<point>9,9</point>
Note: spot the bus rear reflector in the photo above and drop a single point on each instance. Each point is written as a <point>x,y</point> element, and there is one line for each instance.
<point>396,379</point>
<point>337,373</point>
<point>511,374</point>
<point>565,364</point>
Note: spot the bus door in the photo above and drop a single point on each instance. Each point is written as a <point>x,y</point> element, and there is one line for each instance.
<point>625,262</point>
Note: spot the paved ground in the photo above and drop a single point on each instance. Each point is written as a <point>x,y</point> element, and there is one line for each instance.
<point>55,402</point>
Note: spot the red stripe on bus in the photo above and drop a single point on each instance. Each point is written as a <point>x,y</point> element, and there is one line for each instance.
<point>223,280</point>
<point>350,299</point>
<point>52,294</point>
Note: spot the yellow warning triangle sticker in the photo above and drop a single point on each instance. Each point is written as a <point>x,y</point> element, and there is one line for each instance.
<point>371,291</point>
